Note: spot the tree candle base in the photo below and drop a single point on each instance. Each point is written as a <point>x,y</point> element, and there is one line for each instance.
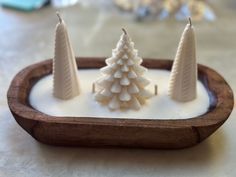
<point>102,132</point>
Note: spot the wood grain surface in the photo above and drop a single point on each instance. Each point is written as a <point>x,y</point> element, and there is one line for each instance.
<point>103,132</point>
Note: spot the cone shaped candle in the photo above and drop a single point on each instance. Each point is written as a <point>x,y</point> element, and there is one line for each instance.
<point>123,85</point>
<point>65,79</point>
<point>183,79</point>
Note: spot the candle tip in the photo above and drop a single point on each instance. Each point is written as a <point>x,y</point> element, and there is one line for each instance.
<point>190,21</point>
<point>59,17</point>
<point>124,31</point>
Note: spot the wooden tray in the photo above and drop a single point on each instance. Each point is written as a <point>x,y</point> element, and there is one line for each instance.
<point>100,132</point>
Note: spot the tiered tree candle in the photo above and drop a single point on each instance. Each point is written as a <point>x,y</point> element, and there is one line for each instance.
<point>183,79</point>
<point>65,79</point>
<point>123,84</point>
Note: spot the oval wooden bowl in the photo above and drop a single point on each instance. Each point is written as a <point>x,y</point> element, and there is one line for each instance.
<point>100,132</point>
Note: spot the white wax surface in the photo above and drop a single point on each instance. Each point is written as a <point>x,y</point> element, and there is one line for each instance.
<point>160,106</point>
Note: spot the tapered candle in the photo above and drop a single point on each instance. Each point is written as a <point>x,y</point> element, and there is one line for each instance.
<point>65,79</point>
<point>183,79</point>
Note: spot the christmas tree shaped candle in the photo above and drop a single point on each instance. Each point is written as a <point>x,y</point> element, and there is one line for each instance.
<point>183,79</point>
<point>65,79</point>
<point>123,84</point>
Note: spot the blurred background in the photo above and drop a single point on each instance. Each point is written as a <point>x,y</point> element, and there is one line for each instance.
<point>27,29</point>
<point>27,36</point>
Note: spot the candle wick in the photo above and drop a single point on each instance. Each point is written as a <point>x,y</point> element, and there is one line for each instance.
<point>124,31</point>
<point>59,17</point>
<point>93,88</point>
<point>190,21</point>
<point>155,89</point>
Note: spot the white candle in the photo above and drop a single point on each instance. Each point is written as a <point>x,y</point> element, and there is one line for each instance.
<point>182,85</point>
<point>84,105</point>
<point>65,79</point>
<point>123,84</point>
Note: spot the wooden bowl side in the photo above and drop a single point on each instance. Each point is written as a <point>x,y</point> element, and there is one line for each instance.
<point>84,131</point>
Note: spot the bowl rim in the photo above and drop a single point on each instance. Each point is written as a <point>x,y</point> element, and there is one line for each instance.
<point>219,91</point>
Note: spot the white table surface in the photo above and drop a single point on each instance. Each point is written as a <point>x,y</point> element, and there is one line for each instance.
<point>27,38</point>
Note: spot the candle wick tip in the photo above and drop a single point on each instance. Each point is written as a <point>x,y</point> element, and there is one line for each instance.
<point>190,21</point>
<point>59,17</point>
<point>124,31</point>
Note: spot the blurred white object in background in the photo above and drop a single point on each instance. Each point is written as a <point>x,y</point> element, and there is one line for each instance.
<point>63,3</point>
<point>163,9</point>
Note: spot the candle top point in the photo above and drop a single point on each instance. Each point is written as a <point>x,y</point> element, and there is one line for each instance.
<point>124,31</point>
<point>59,17</point>
<point>190,21</point>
